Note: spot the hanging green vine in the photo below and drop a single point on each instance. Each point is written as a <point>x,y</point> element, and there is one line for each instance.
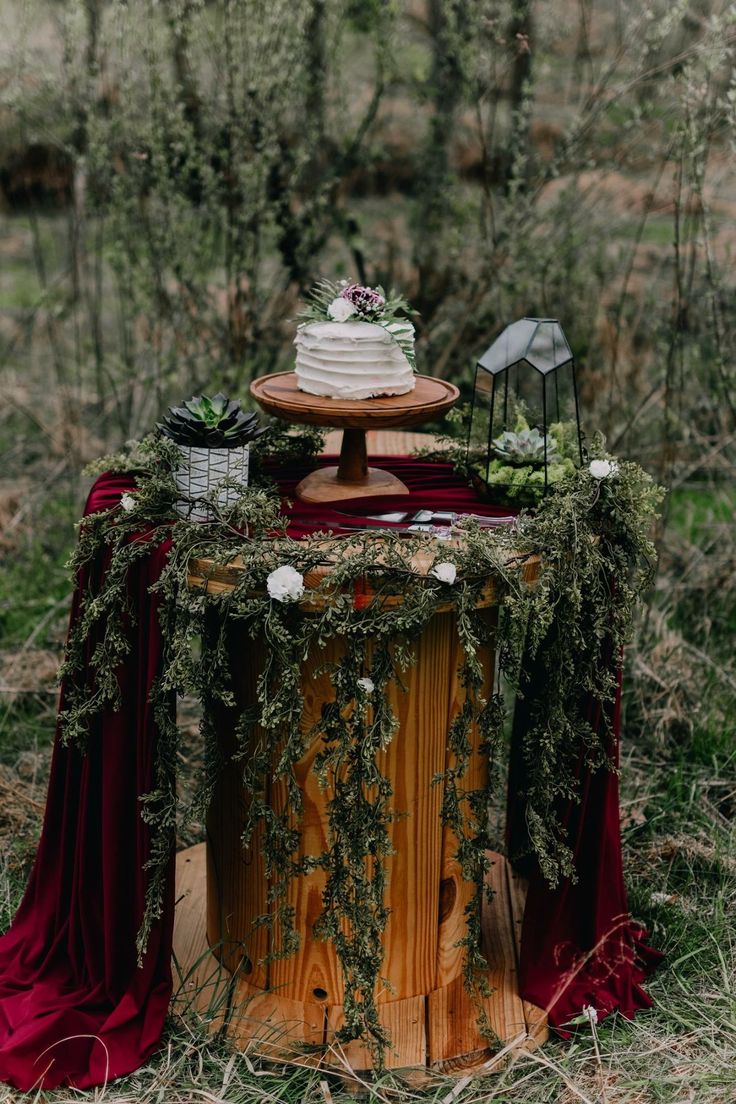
<point>590,542</point>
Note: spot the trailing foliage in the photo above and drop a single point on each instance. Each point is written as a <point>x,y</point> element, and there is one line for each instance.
<point>589,547</point>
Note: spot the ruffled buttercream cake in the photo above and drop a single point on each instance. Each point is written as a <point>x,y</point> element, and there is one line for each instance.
<point>353,360</point>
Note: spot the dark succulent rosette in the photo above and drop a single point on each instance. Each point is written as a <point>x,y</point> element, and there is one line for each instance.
<point>216,422</point>
<point>350,302</point>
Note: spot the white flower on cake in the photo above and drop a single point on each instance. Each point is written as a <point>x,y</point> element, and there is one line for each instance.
<point>285,584</point>
<point>366,685</point>
<point>127,501</point>
<point>340,309</point>
<point>602,469</point>
<point>445,572</point>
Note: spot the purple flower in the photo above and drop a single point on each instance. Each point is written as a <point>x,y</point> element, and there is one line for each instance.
<point>365,300</point>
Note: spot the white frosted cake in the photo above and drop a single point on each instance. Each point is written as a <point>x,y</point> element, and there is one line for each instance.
<point>353,360</point>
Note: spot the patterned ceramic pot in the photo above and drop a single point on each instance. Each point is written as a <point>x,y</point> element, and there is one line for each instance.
<point>201,470</point>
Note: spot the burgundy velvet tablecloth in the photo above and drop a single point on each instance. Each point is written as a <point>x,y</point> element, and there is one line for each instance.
<point>74,1007</point>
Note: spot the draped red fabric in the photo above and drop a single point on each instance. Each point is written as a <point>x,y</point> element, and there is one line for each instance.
<point>74,1007</point>
<point>579,946</point>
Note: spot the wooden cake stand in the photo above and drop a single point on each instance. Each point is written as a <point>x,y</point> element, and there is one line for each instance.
<point>279,395</point>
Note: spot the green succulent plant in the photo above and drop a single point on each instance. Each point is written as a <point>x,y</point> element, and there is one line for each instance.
<point>525,447</point>
<point>216,422</point>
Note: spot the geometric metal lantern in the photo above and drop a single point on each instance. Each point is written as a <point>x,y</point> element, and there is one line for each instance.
<point>525,422</point>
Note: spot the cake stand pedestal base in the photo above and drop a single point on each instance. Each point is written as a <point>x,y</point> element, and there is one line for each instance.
<point>352,478</point>
<point>280,396</point>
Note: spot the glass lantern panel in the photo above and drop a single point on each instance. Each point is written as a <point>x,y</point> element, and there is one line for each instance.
<point>562,409</point>
<point>481,416</point>
<point>510,346</point>
<point>548,347</point>
<point>519,400</point>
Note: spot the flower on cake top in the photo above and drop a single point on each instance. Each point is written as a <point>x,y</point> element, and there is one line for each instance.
<point>367,301</point>
<point>356,301</point>
<point>340,310</point>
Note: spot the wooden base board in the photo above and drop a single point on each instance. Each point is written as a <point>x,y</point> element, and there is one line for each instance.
<point>438,1030</point>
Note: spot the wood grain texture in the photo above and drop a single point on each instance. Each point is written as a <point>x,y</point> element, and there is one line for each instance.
<point>279,395</point>
<point>454,1036</point>
<point>413,758</point>
<point>202,985</point>
<point>438,1029</point>
<point>278,1025</point>
<point>405,1021</point>
<point>536,1018</point>
<point>314,966</point>
<point>328,485</point>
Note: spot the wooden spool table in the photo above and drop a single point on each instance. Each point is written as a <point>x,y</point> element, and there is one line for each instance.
<point>293,1007</point>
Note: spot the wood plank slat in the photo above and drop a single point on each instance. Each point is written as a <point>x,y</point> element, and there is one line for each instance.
<point>201,984</point>
<point>455,1039</point>
<point>313,966</point>
<point>405,1022</point>
<point>412,759</point>
<point>274,1025</point>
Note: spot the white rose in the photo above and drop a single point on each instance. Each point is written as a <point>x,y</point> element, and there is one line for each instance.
<point>127,501</point>
<point>591,1013</point>
<point>602,469</point>
<point>340,309</point>
<point>445,572</point>
<point>366,685</point>
<point>285,584</point>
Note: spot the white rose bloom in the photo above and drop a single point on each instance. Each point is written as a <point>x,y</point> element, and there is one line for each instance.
<point>340,309</point>
<point>366,685</point>
<point>285,584</point>
<point>127,501</point>
<point>591,1013</point>
<point>603,469</point>
<point>445,572</point>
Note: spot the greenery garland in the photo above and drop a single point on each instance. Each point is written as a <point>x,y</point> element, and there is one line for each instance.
<point>592,537</point>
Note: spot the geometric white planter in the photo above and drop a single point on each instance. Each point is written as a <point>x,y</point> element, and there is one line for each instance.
<point>201,469</point>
